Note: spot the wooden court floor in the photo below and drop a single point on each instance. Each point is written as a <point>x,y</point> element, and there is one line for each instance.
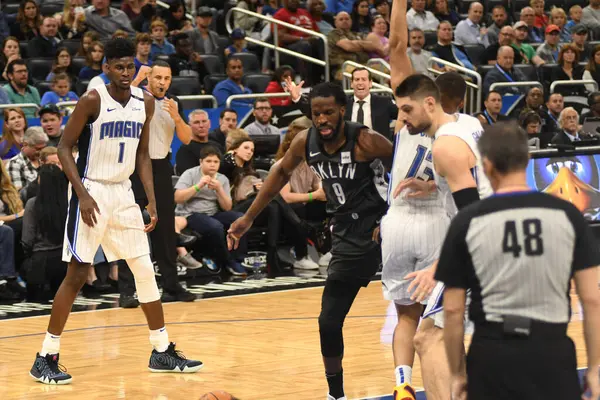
<point>262,346</point>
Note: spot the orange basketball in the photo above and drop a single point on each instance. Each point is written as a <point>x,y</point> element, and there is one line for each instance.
<point>216,395</point>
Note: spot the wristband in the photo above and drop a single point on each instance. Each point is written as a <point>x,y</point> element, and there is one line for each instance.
<point>196,188</point>
<point>16,216</point>
<point>310,198</point>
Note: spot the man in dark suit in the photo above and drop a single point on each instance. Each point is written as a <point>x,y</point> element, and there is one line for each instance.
<point>46,43</point>
<point>568,122</point>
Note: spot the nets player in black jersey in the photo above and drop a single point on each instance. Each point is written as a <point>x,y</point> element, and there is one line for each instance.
<point>340,153</point>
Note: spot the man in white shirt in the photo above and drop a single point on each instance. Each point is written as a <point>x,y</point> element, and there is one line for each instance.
<point>591,15</point>
<point>262,112</point>
<point>418,56</point>
<point>469,31</point>
<point>418,17</point>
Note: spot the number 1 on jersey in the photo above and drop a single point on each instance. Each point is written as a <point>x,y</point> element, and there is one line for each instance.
<point>121,151</point>
<point>422,154</point>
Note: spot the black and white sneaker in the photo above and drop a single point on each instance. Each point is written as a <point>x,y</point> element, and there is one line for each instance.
<point>172,360</point>
<point>47,370</point>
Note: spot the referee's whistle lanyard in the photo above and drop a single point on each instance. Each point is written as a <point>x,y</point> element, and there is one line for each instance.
<point>507,76</point>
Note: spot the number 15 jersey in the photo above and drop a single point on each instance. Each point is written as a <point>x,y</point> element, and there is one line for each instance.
<point>108,145</point>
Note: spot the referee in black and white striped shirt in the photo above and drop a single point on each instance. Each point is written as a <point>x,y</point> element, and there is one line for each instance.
<point>517,252</point>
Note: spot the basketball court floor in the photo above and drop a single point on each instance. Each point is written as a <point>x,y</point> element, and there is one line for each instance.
<point>255,346</point>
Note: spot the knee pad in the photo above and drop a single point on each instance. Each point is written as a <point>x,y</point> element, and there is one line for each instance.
<point>145,282</point>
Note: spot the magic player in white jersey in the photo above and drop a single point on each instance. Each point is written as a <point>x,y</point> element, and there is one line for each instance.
<point>459,179</point>
<point>110,125</point>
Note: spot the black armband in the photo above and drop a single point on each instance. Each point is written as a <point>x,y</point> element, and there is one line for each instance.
<point>464,197</point>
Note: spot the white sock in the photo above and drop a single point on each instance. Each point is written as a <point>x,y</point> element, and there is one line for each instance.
<point>159,339</point>
<point>403,374</point>
<point>51,344</point>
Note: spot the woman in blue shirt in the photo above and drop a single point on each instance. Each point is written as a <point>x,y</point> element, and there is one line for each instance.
<point>93,60</point>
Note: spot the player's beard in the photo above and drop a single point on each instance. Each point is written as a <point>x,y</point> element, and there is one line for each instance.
<point>420,128</point>
<point>336,131</point>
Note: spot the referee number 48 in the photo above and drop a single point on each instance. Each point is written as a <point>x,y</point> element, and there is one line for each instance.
<point>526,236</point>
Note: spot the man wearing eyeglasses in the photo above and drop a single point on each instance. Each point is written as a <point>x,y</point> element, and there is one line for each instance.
<point>19,92</point>
<point>262,112</point>
<point>23,168</point>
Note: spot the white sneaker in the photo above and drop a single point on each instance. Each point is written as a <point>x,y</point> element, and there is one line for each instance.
<point>330,397</point>
<point>306,263</point>
<point>324,260</point>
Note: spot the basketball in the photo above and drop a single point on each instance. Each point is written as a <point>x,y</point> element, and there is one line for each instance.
<point>216,395</point>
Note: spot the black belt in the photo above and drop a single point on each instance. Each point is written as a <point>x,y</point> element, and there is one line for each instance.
<point>520,327</point>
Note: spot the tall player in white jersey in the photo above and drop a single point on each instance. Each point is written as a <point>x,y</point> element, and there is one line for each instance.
<point>110,125</point>
<point>460,181</point>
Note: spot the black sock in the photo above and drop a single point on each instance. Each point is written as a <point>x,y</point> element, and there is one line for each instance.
<point>336,384</point>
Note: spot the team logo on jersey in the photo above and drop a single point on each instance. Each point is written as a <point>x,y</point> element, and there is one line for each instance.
<point>327,170</point>
<point>121,129</point>
<point>346,158</point>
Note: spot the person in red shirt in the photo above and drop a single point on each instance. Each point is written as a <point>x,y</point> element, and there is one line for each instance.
<point>298,41</point>
<point>277,83</point>
<point>541,19</point>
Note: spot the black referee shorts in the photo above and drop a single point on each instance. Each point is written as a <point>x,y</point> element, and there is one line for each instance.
<point>536,367</point>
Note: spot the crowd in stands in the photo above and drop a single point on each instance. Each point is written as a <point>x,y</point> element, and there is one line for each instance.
<point>52,55</point>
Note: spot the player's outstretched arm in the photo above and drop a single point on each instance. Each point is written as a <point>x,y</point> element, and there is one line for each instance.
<point>399,60</point>
<point>87,108</point>
<point>277,179</point>
<point>143,164</point>
<point>374,145</point>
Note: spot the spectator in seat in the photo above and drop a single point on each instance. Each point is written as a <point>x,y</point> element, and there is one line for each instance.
<point>531,123</point>
<point>277,85</point>
<point>262,112</point>
<point>592,69</point>
<point>160,46</point>
<point>227,121</point>
<point>336,6</point>
<point>51,119</point>
<point>28,21</point>
<point>442,12</point>
<point>23,168</point>
<point>143,41</point>
<point>558,17</point>
<point>448,51</point>
<point>43,227</point>
<point>541,19</point>
<point>105,20</point>
<point>579,34</point>
<point>548,51</point>
<point>88,38</point>
<point>534,35</point>
<point>525,50</point>
<point>233,84</point>
<point>93,62</point>
<point>61,65</point>
<point>594,105</point>
<point>418,17</point>
<point>15,125</point>
<point>204,41</point>
<point>188,155</point>
<point>361,18</point>
<point>185,61</point>
<point>174,17</point>
<point>346,45</point>
<point>575,14</point>
<point>238,37</point>
<point>568,69</point>
<point>19,92</point>
<point>10,51</point>
<point>316,8</point>
<point>299,41</point>
<point>492,108</point>
<point>133,8</point>
<point>550,124</point>
<point>71,22</point>
<point>534,101</point>
<point>61,91</point>
<point>504,72</point>
<point>568,121</point>
<point>469,31</point>
<point>382,7</point>
<point>500,19</point>
<point>48,155</point>
<point>46,43</point>
<point>505,39</point>
<point>248,22</point>
<point>377,37</point>
<point>418,56</point>
<point>203,197</point>
<point>590,15</point>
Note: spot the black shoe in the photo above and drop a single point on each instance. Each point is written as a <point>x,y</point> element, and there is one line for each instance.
<point>47,370</point>
<point>126,301</point>
<point>184,240</point>
<point>6,294</point>
<point>172,360</point>
<point>178,294</point>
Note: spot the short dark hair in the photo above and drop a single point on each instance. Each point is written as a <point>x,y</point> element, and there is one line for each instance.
<point>362,69</point>
<point>118,48</point>
<point>179,37</point>
<point>499,6</point>
<point>161,63</point>
<point>418,86</point>
<point>210,151</point>
<point>233,58</point>
<point>11,65</point>
<point>61,77</point>
<point>329,89</point>
<point>452,86</point>
<point>415,29</point>
<point>226,110</point>
<point>492,92</point>
<point>528,118</point>
<point>260,100</point>
<point>505,145</point>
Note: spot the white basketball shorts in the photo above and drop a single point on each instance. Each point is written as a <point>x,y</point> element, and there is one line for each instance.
<point>435,309</point>
<point>119,228</point>
<point>411,241</point>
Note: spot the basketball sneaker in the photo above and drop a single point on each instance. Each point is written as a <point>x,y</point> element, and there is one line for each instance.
<point>330,397</point>
<point>47,370</point>
<point>404,392</point>
<point>172,360</point>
